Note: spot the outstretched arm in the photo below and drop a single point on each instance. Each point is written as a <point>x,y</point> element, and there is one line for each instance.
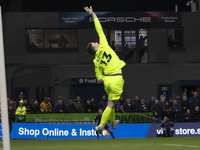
<point>98,26</point>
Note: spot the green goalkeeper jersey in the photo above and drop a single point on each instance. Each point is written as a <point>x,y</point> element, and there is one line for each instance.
<point>106,60</point>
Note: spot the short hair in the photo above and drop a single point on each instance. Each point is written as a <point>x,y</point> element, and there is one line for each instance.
<point>90,49</point>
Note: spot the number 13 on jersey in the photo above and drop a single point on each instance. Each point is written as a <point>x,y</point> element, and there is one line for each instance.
<point>107,59</point>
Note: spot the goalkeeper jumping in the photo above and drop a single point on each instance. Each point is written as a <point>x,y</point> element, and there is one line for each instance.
<point>108,68</point>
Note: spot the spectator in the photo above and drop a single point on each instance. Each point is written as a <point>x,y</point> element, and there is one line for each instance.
<point>103,102</point>
<point>12,103</point>
<point>128,106</point>
<point>51,102</point>
<point>177,111</point>
<point>171,101</point>
<point>63,42</point>
<point>79,104</point>
<point>120,105</point>
<point>34,106</point>
<point>94,105</point>
<point>184,93</point>
<point>71,108</point>
<point>88,106</point>
<point>98,120</point>
<point>191,93</point>
<point>194,100</point>
<point>187,116</point>
<point>196,114</point>
<point>185,104</point>
<point>167,110</point>
<point>26,105</point>
<point>20,113</point>
<point>167,127</point>
<point>162,101</point>
<point>60,106</point>
<point>137,104</point>
<point>45,106</point>
<point>11,115</point>
<point>143,105</point>
<point>178,98</point>
<point>170,41</point>
<point>141,46</point>
<point>157,110</point>
<point>151,103</point>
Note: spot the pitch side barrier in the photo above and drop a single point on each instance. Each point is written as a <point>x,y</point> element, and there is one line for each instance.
<point>87,118</point>
<point>85,131</point>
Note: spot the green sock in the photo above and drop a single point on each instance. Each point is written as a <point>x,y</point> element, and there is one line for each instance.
<point>105,116</point>
<point>112,115</point>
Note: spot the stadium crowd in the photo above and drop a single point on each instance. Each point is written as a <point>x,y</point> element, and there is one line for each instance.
<point>178,109</point>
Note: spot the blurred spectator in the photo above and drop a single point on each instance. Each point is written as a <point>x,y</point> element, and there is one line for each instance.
<point>191,93</point>
<point>171,101</point>
<point>26,105</point>
<point>94,105</point>
<point>141,46</point>
<point>167,110</point>
<point>184,93</point>
<point>103,102</point>
<point>170,41</point>
<point>11,115</point>
<point>79,104</point>
<point>45,106</point>
<point>120,105</point>
<point>167,127</point>
<point>157,110</point>
<point>137,104</point>
<point>128,106</point>
<point>34,106</point>
<point>71,108</point>
<point>12,103</point>
<point>143,105</point>
<point>187,116</point>
<point>51,102</point>
<point>161,95</point>
<point>20,112</point>
<point>185,104</point>
<point>178,98</point>
<point>63,42</point>
<point>151,103</point>
<point>60,106</point>
<point>196,114</point>
<point>162,101</point>
<point>98,120</point>
<point>177,111</point>
<point>88,107</point>
<point>194,100</point>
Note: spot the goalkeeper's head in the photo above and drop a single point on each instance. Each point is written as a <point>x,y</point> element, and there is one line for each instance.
<point>92,47</point>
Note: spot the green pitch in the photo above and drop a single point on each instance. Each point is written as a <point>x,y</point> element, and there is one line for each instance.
<point>189,143</point>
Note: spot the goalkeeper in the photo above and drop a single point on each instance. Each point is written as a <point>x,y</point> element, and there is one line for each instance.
<point>108,68</point>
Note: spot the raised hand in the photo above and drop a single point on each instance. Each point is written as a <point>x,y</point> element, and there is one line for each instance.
<point>89,10</point>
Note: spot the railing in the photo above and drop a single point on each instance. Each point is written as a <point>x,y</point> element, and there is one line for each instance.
<point>87,118</point>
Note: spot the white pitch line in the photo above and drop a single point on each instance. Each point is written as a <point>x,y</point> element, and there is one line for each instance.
<point>55,147</point>
<point>179,145</point>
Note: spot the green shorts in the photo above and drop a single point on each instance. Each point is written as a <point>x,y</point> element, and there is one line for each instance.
<point>113,86</point>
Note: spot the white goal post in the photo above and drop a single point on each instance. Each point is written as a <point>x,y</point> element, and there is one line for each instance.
<point>3,93</point>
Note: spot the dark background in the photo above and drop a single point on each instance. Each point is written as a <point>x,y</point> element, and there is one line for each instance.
<point>99,5</point>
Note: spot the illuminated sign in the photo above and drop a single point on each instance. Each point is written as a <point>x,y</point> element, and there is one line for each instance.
<point>120,20</point>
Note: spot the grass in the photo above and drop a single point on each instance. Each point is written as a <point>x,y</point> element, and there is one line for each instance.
<point>186,143</point>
